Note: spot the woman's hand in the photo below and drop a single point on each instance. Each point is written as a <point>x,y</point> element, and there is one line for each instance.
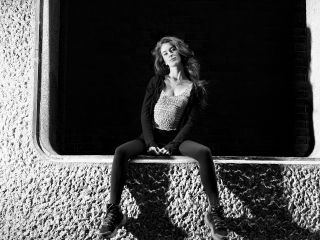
<point>164,151</point>
<point>154,150</point>
<point>158,151</point>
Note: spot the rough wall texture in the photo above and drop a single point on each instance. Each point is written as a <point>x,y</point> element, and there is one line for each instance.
<point>48,201</point>
<point>42,200</point>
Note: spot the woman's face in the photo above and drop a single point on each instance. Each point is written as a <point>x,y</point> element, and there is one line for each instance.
<point>170,54</point>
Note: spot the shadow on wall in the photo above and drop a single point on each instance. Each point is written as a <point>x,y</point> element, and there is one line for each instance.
<point>264,212</point>
<point>54,52</point>
<point>260,188</point>
<point>148,186</point>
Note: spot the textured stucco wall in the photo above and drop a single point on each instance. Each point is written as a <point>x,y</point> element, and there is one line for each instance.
<point>67,201</point>
<point>43,200</point>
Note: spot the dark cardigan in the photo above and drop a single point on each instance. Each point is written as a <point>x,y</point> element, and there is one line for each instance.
<point>189,119</point>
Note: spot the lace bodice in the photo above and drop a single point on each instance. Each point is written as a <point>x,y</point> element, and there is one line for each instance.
<point>169,110</point>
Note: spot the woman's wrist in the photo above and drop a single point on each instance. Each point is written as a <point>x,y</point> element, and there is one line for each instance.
<point>172,147</point>
<point>152,144</point>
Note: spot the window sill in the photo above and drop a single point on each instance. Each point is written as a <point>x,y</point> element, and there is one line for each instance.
<point>145,159</point>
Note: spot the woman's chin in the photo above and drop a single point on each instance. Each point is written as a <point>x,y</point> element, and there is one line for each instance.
<point>174,64</point>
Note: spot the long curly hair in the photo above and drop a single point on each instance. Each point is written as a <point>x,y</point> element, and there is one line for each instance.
<point>191,65</point>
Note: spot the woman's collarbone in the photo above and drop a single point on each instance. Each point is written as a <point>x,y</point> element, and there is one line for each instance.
<point>174,90</point>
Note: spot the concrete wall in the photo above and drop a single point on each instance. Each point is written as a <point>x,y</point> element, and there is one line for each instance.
<point>313,20</point>
<point>40,199</point>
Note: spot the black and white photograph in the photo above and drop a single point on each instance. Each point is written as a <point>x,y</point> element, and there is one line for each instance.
<point>160,120</point>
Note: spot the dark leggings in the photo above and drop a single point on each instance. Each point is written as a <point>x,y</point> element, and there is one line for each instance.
<point>189,148</point>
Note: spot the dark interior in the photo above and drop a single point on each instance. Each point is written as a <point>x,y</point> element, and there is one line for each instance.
<point>246,52</point>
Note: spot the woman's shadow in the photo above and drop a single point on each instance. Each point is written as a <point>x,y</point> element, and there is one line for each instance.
<point>261,190</point>
<point>148,184</point>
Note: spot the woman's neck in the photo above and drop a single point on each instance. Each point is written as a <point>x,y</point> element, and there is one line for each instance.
<point>176,74</point>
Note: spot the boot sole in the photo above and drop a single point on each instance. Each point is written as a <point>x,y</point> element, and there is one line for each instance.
<point>122,223</point>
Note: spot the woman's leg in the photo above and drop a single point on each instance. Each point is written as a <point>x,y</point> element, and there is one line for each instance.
<point>213,217</point>
<point>120,165</point>
<point>207,173</point>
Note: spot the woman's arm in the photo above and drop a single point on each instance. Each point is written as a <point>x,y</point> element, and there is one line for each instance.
<point>146,117</point>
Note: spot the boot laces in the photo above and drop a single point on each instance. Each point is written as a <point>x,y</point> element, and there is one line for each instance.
<point>112,217</point>
<point>216,218</point>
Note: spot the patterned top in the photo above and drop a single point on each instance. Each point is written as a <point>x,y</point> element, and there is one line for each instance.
<point>169,110</point>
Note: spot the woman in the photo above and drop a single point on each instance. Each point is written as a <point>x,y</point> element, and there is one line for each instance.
<point>173,101</point>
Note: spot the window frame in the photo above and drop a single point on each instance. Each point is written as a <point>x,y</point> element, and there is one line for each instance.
<point>46,80</point>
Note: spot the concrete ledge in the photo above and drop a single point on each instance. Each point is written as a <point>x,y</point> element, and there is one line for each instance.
<point>183,159</point>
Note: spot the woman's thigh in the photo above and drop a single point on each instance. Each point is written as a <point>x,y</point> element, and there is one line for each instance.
<point>193,149</point>
<point>131,148</point>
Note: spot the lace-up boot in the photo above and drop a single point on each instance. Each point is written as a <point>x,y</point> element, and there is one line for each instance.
<point>216,223</point>
<point>114,220</point>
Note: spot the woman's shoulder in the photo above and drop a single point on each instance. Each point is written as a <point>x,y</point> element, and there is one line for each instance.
<point>156,78</point>
<point>154,83</point>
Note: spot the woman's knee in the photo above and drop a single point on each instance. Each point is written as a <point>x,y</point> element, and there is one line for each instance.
<point>204,152</point>
<point>129,149</point>
<point>121,152</point>
<point>195,150</point>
